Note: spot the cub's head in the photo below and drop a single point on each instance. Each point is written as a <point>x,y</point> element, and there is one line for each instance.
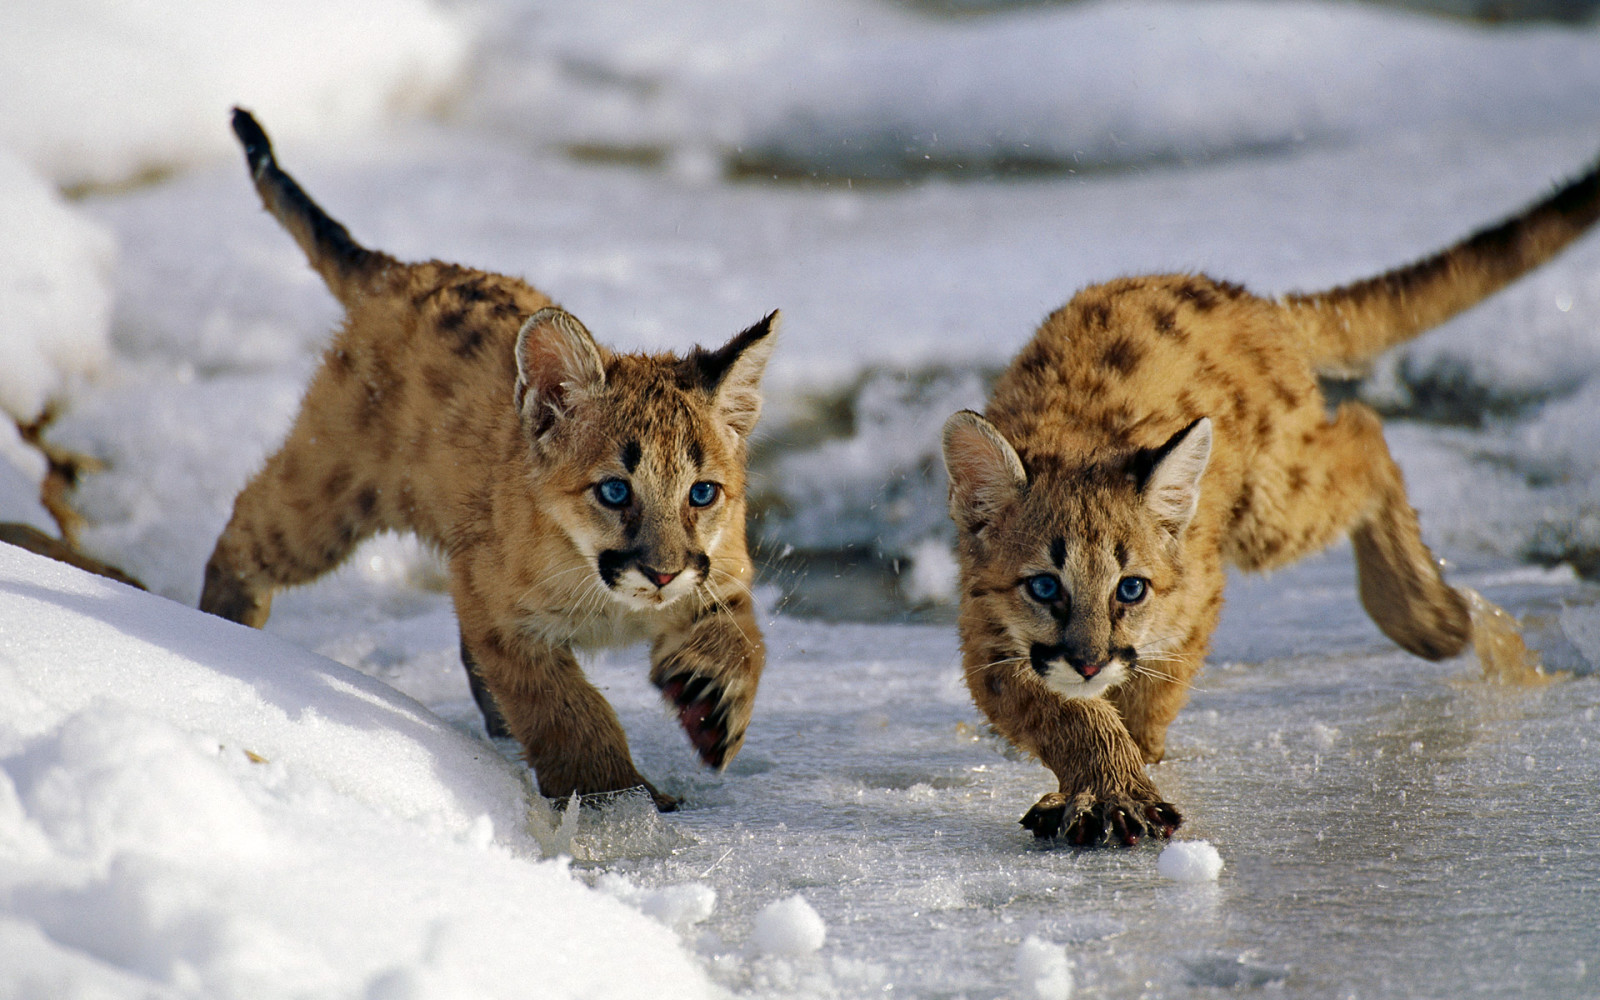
<point>641,458</point>
<point>1071,570</point>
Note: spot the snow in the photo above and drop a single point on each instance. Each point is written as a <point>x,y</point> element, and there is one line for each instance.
<point>188,808</point>
<point>1189,861</point>
<point>788,927</point>
<point>1044,969</point>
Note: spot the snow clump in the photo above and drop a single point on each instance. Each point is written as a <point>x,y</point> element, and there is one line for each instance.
<point>1189,861</point>
<point>1044,969</point>
<point>789,928</point>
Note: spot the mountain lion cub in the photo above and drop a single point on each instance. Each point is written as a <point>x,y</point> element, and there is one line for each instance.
<point>1154,429</point>
<point>583,497</point>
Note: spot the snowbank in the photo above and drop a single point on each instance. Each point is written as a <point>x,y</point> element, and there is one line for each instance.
<point>102,92</point>
<point>852,88</point>
<point>191,807</point>
<point>55,291</point>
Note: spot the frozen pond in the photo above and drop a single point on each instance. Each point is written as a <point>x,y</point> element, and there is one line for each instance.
<point>1389,827</point>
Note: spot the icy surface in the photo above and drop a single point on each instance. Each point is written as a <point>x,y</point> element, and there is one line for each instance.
<point>1390,827</point>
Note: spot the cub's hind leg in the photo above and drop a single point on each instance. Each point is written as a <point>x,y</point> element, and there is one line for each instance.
<point>298,518</point>
<point>1350,482</point>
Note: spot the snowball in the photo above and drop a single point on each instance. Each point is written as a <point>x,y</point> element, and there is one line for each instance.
<point>789,927</point>
<point>1044,969</point>
<point>1189,861</point>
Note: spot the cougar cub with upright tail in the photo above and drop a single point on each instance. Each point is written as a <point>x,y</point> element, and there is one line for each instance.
<point>583,497</point>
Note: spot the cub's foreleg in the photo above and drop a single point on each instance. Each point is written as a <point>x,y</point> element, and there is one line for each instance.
<point>569,733</point>
<point>1103,790</point>
<point>709,671</point>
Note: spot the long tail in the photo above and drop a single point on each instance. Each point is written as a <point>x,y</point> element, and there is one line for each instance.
<point>345,265</point>
<point>1345,328</point>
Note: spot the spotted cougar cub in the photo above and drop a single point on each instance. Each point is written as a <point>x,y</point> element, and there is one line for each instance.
<point>583,497</point>
<point>1154,429</point>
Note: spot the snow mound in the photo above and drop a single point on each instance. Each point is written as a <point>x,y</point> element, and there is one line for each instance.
<point>1189,861</point>
<point>103,92</point>
<point>188,807</point>
<point>788,928</point>
<point>55,290</point>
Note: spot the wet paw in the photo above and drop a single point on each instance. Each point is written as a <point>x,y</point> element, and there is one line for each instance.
<point>705,711</point>
<point>1087,821</point>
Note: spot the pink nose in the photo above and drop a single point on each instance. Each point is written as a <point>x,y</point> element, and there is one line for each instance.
<point>658,578</point>
<point>1088,670</point>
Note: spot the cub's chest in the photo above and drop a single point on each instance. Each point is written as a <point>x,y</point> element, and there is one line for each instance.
<point>592,621</point>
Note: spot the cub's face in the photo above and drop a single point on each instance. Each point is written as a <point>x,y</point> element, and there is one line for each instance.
<point>1074,572</point>
<point>644,456</point>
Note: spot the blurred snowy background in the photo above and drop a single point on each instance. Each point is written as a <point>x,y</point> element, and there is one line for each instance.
<point>916,185</point>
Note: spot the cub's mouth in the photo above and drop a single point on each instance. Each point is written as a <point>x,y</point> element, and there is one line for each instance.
<point>1076,676</point>
<point>634,577</point>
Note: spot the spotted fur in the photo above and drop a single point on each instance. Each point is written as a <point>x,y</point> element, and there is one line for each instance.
<point>466,408</point>
<point>1156,429</point>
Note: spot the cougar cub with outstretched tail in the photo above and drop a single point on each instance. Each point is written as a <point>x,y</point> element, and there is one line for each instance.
<point>1153,430</point>
<point>583,497</point>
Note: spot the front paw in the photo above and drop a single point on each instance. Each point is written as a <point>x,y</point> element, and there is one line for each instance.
<point>707,713</point>
<point>1085,820</point>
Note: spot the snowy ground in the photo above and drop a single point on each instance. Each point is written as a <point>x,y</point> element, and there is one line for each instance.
<point>1387,827</point>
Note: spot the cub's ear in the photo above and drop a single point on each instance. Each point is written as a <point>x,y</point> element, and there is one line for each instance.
<point>732,373</point>
<point>1169,476</point>
<point>557,360</point>
<point>985,472</point>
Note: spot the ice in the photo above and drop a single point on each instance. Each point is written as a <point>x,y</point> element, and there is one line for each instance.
<point>788,928</point>
<point>1044,969</point>
<point>1189,861</point>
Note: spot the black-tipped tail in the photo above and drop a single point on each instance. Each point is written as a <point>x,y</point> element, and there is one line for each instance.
<point>257,147</point>
<point>345,265</point>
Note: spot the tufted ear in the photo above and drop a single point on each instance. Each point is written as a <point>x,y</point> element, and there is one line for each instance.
<point>732,373</point>
<point>1169,476</point>
<point>985,472</point>
<point>557,359</point>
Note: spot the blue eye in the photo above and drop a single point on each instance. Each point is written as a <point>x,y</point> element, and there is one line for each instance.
<point>1044,588</point>
<point>1132,589</point>
<point>703,494</point>
<point>614,493</point>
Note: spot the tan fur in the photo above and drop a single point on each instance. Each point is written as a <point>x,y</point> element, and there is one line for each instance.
<point>464,407</point>
<point>1156,429</point>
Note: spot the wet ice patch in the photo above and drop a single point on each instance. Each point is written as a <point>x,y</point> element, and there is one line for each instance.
<point>788,928</point>
<point>1044,970</point>
<point>1189,861</point>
